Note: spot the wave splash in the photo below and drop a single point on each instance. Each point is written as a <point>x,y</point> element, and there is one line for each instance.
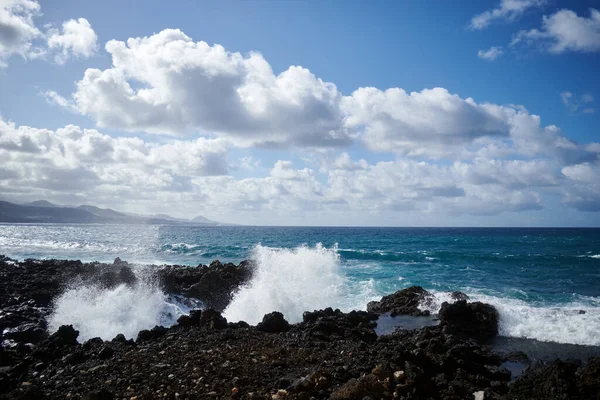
<point>577,322</point>
<point>292,281</point>
<point>104,313</point>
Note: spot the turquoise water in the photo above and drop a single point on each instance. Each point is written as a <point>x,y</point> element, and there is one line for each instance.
<point>545,282</point>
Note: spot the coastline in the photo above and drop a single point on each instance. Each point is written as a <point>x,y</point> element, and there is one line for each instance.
<point>329,354</point>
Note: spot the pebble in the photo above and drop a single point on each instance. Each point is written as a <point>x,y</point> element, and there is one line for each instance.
<point>479,395</point>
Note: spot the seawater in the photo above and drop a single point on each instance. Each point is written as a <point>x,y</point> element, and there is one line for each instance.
<point>545,282</point>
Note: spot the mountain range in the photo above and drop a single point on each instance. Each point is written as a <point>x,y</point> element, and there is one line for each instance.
<point>43,211</point>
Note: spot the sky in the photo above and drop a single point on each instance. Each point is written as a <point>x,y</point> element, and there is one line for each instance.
<point>412,113</point>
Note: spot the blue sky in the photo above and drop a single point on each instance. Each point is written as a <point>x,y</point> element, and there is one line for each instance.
<point>316,154</point>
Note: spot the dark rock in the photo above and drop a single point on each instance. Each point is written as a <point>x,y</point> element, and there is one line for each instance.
<point>120,338</point>
<point>331,325</point>
<point>39,366</point>
<point>476,320</point>
<point>213,285</point>
<point>273,323</point>
<point>66,335</point>
<point>366,386</point>
<point>212,319</point>
<point>127,276</point>
<point>403,302</point>
<point>459,296</point>
<point>152,334</point>
<point>26,333</point>
<point>193,319</point>
<point>101,394</point>
<point>589,379</point>
<point>105,353</point>
<point>552,381</point>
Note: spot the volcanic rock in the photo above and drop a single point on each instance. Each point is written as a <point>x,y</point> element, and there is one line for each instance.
<point>476,320</point>
<point>274,323</point>
<point>403,302</point>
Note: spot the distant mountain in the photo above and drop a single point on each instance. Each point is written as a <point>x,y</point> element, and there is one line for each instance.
<point>201,220</point>
<point>104,212</point>
<point>10,212</point>
<point>43,211</point>
<point>42,203</point>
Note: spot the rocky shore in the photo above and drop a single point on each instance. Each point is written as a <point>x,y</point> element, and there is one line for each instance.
<point>330,354</point>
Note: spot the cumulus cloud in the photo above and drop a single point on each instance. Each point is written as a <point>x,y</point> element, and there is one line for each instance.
<point>76,39</point>
<point>17,29</point>
<point>19,35</point>
<point>490,54</point>
<point>84,160</point>
<point>167,83</point>
<point>578,104</point>
<point>564,31</point>
<point>431,123</point>
<point>507,10</point>
<point>130,174</point>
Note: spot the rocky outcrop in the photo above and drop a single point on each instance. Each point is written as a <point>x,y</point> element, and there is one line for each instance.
<point>330,354</point>
<point>214,285</point>
<point>403,302</point>
<point>329,325</point>
<point>476,320</point>
<point>273,323</point>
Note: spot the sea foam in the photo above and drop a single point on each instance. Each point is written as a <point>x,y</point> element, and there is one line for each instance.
<point>104,313</point>
<point>577,322</point>
<point>291,281</point>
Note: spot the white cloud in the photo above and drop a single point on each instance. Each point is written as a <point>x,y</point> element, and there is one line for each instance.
<point>578,104</point>
<point>19,35</point>
<point>78,160</point>
<point>432,123</point>
<point>78,165</point>
<point>490,54</point>
<point>76,39</point>
<point>564,31</point>
<point>182,86</point>
<point>507,10</point>
<point>17,29</point>
<point>167,83</point>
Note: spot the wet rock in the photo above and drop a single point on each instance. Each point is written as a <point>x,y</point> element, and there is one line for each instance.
<point>459,296</point>
<point>152,334</point>
<point>26,333</point>
<point>476,320</point>
<point>127,276</point>
<point>191,320</point>
<point>65,335</point>
<point>213,285</point>
<point>329,324</point>
<point>589,379</point>
<point>552,381</point>
<point>274,323</point>
<point>403,302</point>
<point>212,319</point>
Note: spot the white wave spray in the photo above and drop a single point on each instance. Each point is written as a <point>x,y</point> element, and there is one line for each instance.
<point>104,313</point>
<point>577,322</point>
<point>292,281</point>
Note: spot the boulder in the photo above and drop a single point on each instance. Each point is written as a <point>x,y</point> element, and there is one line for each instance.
<point>273,323</point>
<point>26,333</point>
<point>66,335</point>
<point>476,320</point>
<point>403,302</point>
<point>551,381</point>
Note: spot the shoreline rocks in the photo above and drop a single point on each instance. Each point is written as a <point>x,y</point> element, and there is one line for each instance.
<point>403,302</point>
<point>330,354</point>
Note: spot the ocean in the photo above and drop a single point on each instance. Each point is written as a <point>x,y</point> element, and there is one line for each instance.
<point>545,283</point>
